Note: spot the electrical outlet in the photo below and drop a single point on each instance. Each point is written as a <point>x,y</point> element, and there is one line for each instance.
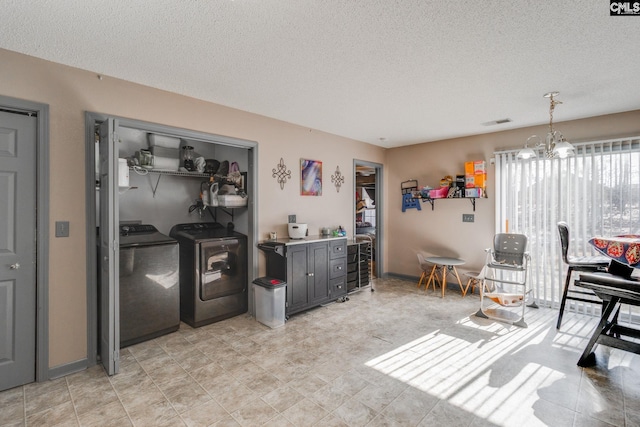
<point>467,218</point>
<point>292,219</point>
<point>62,228</point>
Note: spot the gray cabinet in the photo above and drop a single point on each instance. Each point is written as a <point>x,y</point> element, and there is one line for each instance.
<point>314,271</point>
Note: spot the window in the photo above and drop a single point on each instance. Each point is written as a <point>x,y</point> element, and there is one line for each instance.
<point>597,192</point>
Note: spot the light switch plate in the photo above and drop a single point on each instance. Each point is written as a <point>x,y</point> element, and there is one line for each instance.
<point>292,219</point>
<point>62,228</point>
<point>467,217</point>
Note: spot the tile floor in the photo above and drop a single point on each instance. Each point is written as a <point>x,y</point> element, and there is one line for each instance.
<point>395,357</point>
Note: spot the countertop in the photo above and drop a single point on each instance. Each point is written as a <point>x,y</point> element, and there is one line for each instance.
<point>308,239</point>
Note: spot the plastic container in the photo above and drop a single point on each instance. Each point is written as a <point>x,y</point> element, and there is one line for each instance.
<point>270,296</point>
<point>439,193</point>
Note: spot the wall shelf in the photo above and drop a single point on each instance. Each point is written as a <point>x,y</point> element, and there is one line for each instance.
<point>432,201</point>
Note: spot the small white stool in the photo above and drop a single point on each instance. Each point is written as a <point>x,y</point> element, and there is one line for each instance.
<point>473,281</point>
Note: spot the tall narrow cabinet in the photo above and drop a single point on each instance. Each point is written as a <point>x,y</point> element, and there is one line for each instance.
<point>358,264</point>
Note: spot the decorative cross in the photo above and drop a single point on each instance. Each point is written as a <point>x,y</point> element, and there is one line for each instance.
<point>281,173</point>
<point>337,179</point>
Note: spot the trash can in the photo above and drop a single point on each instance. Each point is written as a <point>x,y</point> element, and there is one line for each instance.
<point>269,301</point>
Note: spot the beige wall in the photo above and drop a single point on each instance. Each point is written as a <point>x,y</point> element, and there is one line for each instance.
<point>441,231</point>
<point>70,92</point>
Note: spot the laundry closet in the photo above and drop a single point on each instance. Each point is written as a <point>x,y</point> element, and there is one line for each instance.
<point>175,220</point>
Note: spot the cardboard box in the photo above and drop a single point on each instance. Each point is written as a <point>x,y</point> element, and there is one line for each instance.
<point>475,167</point>
<point>480,180</point>
<point>468,168</point>
<point>470,181</point>
<point>479,167</point>
<point>473,192</point>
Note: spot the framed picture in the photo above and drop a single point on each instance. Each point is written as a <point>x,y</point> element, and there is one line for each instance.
<point>310,177</point>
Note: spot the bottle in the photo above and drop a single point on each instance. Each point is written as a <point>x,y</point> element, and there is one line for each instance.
<point>187,158</point>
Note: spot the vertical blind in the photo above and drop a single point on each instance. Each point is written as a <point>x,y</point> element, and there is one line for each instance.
<point>596,191</point>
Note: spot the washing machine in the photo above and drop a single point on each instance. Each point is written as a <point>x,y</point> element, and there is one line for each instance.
<point>213,272</point>
<point>149,287</point>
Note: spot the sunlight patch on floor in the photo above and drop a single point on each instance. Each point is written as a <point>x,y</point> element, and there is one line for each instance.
<point>479,371</point>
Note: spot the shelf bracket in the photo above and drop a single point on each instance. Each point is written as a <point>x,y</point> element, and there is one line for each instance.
<point>213,210</point>
<point>473,202</point>
<point>431,201</point>
<point>154,188</point>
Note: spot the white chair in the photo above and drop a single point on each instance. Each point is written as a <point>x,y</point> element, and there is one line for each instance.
<point>427,272</point>
<point>504,279</point>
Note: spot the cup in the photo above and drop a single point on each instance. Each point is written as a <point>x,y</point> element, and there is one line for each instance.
<point>273,235</point>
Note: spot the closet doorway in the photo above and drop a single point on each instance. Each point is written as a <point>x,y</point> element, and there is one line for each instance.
<point>367,208</point>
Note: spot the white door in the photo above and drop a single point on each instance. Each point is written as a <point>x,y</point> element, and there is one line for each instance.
<point>17,249</point>
<point>109,259</point>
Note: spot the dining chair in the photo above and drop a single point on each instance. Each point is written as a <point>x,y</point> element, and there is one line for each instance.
<point>425,267</point>
<point>585,264</point>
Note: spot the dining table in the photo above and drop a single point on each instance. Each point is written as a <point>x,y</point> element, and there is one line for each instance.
<point>618,285</point>
<point>624,251</point>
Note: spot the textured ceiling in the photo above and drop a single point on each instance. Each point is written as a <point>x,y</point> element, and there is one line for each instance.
<point>387,72</point>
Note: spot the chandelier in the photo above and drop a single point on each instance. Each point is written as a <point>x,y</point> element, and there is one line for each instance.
<point>554,144</point>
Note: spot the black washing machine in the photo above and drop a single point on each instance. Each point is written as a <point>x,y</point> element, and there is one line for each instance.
<point>149,290</point>
<point>213,272</point>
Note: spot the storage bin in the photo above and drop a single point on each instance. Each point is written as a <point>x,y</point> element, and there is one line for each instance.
<point>171,153</point>
<point>269,301</point>
<point>231,200</point>
<point>165,163</point>
<point>163,141</point>
<point>439,193</point>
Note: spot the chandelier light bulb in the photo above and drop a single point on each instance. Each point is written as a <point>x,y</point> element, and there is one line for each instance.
<point>554,144</point>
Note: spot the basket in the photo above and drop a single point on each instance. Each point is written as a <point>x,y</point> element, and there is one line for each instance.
<point>231,200</point>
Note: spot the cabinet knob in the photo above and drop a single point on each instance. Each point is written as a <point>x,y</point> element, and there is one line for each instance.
<point>339,267</point>
<point>339,248</point>
<point>309,274</point>
<point>15,266</point>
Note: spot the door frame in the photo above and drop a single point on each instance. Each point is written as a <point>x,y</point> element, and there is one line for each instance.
<point>91,120</point>
<point>379,211</point>
<point>42,225</point>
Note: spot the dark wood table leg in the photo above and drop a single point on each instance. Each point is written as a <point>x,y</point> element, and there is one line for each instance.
<point>588,358</point>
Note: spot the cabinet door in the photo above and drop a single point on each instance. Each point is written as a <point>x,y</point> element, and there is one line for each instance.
<point>297,276</point>
<point>318,264</point>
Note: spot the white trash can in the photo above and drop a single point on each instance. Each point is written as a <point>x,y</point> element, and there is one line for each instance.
<point>269,297</point>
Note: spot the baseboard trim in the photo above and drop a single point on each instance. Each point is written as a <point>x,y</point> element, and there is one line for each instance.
<point>68,368</point>
<point>401,276</point>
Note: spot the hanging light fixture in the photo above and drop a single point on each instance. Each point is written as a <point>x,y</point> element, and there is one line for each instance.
<point>554,144</point>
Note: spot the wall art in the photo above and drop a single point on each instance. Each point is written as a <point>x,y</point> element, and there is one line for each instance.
<point>337,179</point>
<point>310,177</point>
<point>281,174</point>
